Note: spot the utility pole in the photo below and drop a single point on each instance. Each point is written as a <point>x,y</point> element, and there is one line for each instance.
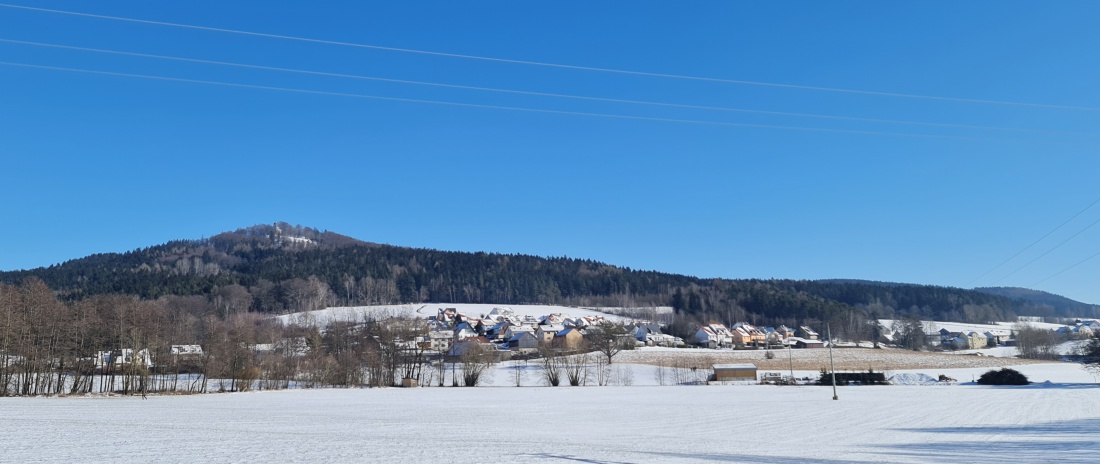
<point>832,367</point>
<point>790,357</point>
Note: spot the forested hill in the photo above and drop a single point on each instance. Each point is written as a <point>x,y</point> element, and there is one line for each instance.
<point>281,268</point>
<point>1040,298</point>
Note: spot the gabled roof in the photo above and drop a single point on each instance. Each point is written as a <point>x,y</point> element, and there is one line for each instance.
<point>566,332</point>
<point>518,336</point>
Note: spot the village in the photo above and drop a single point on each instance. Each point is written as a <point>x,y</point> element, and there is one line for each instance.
<point>447,339</point>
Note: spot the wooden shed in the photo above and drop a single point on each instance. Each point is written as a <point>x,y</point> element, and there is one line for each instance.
<point>734,372</point>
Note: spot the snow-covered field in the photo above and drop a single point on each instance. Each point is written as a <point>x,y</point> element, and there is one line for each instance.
<point>933,327</point>
<point>753,424</point>
<point>358,313</point>
<point>814,359</point>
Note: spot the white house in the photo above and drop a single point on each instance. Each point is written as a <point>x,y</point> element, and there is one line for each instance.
<point>713,335</point>
<point>124,357</point>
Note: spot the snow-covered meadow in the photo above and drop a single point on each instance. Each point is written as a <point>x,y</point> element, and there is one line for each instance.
<point>1044,422</point>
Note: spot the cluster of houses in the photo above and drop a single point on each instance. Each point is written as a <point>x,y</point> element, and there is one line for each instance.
<point>744,335</point>
<point>973,339</point>
<point>1081,330</point>
<point>116,360</point>
<point>502,329</point>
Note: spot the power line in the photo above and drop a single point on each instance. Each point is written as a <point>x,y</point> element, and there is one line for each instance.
<point>553,65</point>
<point>1064,270</point>
<point>523,92</point>
<point>1048,251</point>
<point>1018,253</point>
<point>476,105</point>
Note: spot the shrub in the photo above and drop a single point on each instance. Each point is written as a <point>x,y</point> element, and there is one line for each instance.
<point>1004,376</point>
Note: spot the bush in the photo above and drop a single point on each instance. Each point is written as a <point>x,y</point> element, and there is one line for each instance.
<point>1004,376</point>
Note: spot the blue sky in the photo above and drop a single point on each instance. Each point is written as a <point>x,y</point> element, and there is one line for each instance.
<point>104,163</point>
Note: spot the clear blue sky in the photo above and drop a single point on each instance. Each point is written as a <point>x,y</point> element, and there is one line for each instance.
<point>104,163</point>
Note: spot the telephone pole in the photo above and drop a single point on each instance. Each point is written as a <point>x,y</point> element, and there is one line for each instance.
<point>832,367</point>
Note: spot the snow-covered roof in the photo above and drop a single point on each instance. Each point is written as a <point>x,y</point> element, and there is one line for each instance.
<point>740,366</point>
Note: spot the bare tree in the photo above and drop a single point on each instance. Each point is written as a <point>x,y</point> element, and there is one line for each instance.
<point>1036,343</point>
<point>551,364</point>
<point>608,338</point>
<point>475,360</point>
<point>576,368</point>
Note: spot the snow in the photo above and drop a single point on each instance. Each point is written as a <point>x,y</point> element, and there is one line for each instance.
<point>297,239</point>
<point>1066,348</point>
<point>933,327</point>
<point>906,378</point>
<point>856,359</point>
<point>357,313</point>
<point>1053,422</point>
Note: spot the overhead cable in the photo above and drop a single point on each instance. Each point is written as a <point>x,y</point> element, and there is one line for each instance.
<point>552,65</point>
<point>1018,253</point>
<point>1056,274</point>
<point>496,107</point>
<point>531,93</point>
<point>1063,242</point>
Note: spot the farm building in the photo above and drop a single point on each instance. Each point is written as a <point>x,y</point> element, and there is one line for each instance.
<point>732,372</point>
<point>809,344</point>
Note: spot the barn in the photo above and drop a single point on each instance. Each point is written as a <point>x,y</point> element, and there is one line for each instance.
<point>734,372</point>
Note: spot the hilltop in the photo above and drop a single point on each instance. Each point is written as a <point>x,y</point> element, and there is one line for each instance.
<point>281,268</point>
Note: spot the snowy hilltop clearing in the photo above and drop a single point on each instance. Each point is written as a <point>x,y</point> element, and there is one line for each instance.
<point>752,424</point>
<point>323,317</point>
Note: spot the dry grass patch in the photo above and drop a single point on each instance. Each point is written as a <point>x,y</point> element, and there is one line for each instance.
<point>816,359</point>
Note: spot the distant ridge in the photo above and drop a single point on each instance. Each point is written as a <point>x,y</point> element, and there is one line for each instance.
<point>281,268</point>
<point>1037,297</point>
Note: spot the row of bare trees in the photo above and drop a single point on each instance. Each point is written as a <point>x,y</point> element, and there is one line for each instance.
<point>122,344</point>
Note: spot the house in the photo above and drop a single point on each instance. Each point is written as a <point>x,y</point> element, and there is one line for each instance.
<point>185,351</point>
<point>569,339</point>
<point>440,340</point>
<point>553,319</point>
<point>997,336</point>
<point>663,340</point>
<point>643,329</point>
<point>463,346</point>
<point>126,357</point>
<point>496,332</point>
<point>463,330</point>
<point>1079,331</point>
<point>807,333</point>
<point>785,332</point>
<point>546,332</point>
<point>524,341</point>
<point>803,343</point>
<point>976,340</point>
<point>746,334</point>
<point>515,329</point>
<point>734,372</point>
<point>713,335</point>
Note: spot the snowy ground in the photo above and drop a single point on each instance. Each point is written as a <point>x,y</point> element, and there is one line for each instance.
<point>814,359</point>
<point>933,327</point>
<point>752,424</point>
<point>358,313</point>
